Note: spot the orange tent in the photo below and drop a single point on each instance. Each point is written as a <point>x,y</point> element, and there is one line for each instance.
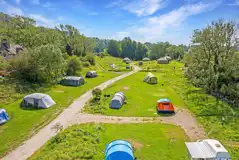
<point>164,105</point>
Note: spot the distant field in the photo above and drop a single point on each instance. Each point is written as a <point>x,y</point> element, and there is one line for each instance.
<point>151,142</point>
<point>24,123</point>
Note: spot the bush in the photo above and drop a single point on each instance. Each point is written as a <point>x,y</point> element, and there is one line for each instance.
<point>43,64</point>
<point>73,66</point>
<point>86,64</point>
<point>90,58</point>
<point>3,63</point>
<point>97,92</point>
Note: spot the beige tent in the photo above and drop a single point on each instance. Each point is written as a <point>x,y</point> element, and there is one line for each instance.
<point>162,61</point>
<point>150,78</point>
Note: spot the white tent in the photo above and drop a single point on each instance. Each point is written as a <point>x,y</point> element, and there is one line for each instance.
<point>38,100</point>
<point>209,149</point>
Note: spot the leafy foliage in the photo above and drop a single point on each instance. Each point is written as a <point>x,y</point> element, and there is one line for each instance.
<point>73,66</point>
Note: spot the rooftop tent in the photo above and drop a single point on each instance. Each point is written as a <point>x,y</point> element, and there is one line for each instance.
<point>164,105</point>
<point>162,61</point>
<point>150,78</point>
<point>168,58</point>
<point>208,149</point>
<point>91,74</point>
<point>38,100</point>
<point>146,59</point>
<point>72,81</point>
<point>117,101</point>
<point>3,116</point>
<point>119,150</point>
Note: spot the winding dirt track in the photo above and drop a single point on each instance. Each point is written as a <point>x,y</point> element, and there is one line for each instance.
<point>72,115</point>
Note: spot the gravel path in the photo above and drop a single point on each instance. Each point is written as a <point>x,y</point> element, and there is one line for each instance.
<point>65,119</point>
<point>72,115</point>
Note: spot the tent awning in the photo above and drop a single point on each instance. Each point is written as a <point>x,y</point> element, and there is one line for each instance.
<point>199,150</point>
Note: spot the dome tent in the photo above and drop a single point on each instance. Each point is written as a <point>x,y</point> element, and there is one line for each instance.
<point>38,100</point>
<point>91,74</point>
<point>162,61</point>
<point>117,100</point>
<point>150,78</point>
<point>3,116</point>
<point>72,81</point>
<point>119,150</point>
<point>146,59</point>
<point>126,60</point>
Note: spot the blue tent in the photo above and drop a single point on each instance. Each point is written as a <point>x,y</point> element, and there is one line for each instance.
<point>119,150</point>
<point>117,101</point>
<point>3,116</point>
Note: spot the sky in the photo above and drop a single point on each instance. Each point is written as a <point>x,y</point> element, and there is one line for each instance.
<point>142,20</point>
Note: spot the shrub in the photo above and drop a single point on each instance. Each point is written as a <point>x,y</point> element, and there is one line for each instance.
<point>73,66</point>
<point>97,92</point>
<point>86,64</point>
<point>90,58</point>
<point>3,63</point>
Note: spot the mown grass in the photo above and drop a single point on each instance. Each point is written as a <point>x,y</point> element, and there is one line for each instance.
<point>141,97</point>
<point>219,119</point>
<point>24,123</point>
<point>88,141</point>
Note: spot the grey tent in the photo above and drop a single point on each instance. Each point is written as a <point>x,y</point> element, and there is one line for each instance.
<point>126,60</point>
<point>162,61</point>
<point>38,100</point>
<point>150,78</point>
<point>117,100</point>
<point>146,59</point>
<point>128,67</point>
<point>168,58</point>
<point>72,81</point>
<point>140,63</point>
<point>91,74</point>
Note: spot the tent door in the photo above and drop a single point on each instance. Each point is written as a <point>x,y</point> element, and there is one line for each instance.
<point>36,103</point>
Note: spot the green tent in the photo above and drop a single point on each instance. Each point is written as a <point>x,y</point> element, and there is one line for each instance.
<point>151,79</point>
<point>72,81</point>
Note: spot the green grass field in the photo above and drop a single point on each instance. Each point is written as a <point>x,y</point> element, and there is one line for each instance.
<point>219,119</point>
<point>141,97</point>
<point>151,142</point>
<point>24,123</point>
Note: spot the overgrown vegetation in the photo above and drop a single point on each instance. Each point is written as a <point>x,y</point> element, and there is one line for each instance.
<point>213,63</point>
<point>88,141</point>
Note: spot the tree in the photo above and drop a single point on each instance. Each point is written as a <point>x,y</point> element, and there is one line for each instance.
<point>73,66</point>
<point>140,52</point>
<point>114,48</point>
<point>214,63</point>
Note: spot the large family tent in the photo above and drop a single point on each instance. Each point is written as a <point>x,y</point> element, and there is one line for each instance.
<point>3,116</point>
<point>208,149</point>
<point>164,105</point>
<point>117,101</point>
<point>91,74</point>
<point>146,59</point>
<point>72,81</point>
<point>119,150</point>
<point>162,61</point>
<point>126,60</point>
<point>150,78</point>
<point>38,100</point>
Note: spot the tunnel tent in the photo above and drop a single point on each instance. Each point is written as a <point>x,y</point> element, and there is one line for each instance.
<point>72,81</point>
<point>150,78</point>
<point>119,150</point>
<point>146,59</point>
<point>91,74</point>
<point>162,61</point>
<point>38,100</point>
<point>3,116</point>
<point>117,101</point>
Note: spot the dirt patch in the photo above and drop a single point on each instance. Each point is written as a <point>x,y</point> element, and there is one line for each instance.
<point>126,88</point>
<point>59,91</point>
<point>136,145</point>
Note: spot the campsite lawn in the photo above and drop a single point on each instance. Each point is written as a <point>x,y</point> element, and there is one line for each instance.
<point>141,97</point>
<point>88,141</point>
<point>24,123</point>
<point>219,119</point>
